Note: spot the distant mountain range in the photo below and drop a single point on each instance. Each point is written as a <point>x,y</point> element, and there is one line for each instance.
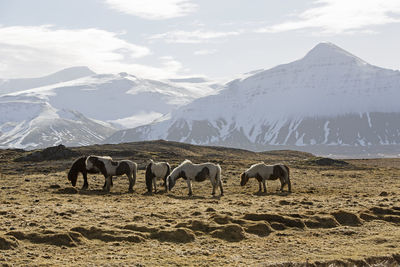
<point>329,102</point>
<point>78,107</point>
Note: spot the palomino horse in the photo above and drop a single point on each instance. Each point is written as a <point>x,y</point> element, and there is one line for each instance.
<point>79,166</point>
<point>156,170</point>
<point>110,168</point>
<point>263,172</point>
<point>196,172</point>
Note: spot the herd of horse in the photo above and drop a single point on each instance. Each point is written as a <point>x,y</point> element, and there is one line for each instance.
<point>162,170</point>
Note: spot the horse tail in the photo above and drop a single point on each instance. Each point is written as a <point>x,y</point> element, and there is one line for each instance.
<point>286,168</point>
<point>218,179</point>
<point>149,177</point>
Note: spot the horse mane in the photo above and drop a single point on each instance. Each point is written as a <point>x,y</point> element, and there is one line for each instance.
<point>184,162</point>
<point>252,166</point>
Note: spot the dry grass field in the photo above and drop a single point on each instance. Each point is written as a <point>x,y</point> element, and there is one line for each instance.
<point>335,216</point>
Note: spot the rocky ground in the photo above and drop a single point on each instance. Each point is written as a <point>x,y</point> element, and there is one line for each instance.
<point>337,214</point>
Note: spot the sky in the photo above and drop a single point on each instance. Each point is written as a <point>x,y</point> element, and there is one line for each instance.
<point>217,39</point>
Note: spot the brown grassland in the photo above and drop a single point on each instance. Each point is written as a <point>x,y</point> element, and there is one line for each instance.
<point>336,215</point>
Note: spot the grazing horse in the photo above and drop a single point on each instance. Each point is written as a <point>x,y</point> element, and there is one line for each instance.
<point>156,170</point>
<point>196,172</point>
<point>79,166</point>
<point>110,168</point>
<point>263,172</point>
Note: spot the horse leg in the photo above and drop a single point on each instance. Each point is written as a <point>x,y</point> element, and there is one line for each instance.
<point>108,184</point>
<point>189,183</point>
<point>111,181</point>
<point>289,185</point>
<point>131,183</point>
<point>220,187</point>
<point>259,186</point>
<point>214,185</point>
<point>165,183</point>
<point>283,182</point>
<point>155,184</point>
<point>265,187</point>
<point>85,182</point>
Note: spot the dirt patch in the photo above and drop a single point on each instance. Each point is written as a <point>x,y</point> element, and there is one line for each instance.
<point>347,218</point>
<point>289,222</point>
<point>140,228</point>
<point>321,222</point>
<point>56,239</point>
<point>107,235</point>
<point>222,219</point>
<point>8,242</point>
<point>384,211</point>
<point>198,226</point>
<point>391,218</point>
<point>260,229</point>
<point>180,235</point>
<point>67,190</point>
<point>229,232</point>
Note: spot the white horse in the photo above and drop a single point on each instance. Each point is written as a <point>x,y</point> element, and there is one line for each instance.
<point>196,172</point>
<point>110,168</point>
<point>156,170</point>
<point>263,172</point>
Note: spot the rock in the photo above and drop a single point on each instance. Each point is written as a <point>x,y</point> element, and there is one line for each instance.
<point>326,162</point>
<point>50,153</point>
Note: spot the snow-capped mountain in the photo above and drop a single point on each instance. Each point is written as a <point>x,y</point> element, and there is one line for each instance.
<point>78,107</point>
<point>330,98</point>
<point>33,123</point>
<point>13,85</point>
<point>121,99</point>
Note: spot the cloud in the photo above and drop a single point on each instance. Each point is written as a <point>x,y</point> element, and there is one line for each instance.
<point>153,9</point>
<point>204,52</point>
<point>341,16</point>
<point>38,50</point>
<point>192,37</point>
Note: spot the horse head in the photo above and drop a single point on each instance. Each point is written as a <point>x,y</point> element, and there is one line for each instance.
<point>170,182</point>
<point>244,178</point>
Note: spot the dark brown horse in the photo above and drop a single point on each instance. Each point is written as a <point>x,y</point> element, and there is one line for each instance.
<point>79,166</point>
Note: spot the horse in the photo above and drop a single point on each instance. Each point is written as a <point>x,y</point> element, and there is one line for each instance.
<point>79,166</point>
<point>263,172</point>
<point>156,170</point>
<point>196,172</point>
<point>110,168</point>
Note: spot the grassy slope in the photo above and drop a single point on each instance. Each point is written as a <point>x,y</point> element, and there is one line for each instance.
<point>335,214</point>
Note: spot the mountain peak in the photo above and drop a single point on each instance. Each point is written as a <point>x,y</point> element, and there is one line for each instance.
<point>330,52</point>
<point>74,72</point>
